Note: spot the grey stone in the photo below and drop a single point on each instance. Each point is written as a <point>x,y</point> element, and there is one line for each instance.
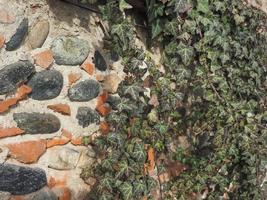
<point>87,116</point>
<point>99,61</point>
<point>46,84</point>
<point>19,180</point>
<point>69,50</point>
<point>37,123</point>
<point>14,74</point>
<point>64,159</point>
<point>84,91</point>
<point>16,40</point>
<point>38,34</point>
<point>114,56</point>
<point>44,194</point>
<point>5,195</point>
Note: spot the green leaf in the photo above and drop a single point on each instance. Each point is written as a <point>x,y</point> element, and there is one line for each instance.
<point>127,190</point>
<point>156,28</point>
<point>203,6</point>
<point>115,139</point>
<point>224,58</point>
<point>136,63</point>
<point>117,118</point>
<point>124,5</point>
<point>124,32</point>
<point>106,196</point>
<point>182,6</point>
<point>139,187</point>
<point>172,27</point>
<point>139,153</point>
<point>133,90</point>
<point>125,105</point>
<point>186,53</point>
<point>123,168</point>
<point>107,182</point>
<point>107,164</point>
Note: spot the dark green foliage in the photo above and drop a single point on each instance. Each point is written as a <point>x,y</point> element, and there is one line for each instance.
<point>214,52</point>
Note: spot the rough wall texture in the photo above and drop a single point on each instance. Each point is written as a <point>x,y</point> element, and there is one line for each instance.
<point>41,130</point>
<point>261,4</point>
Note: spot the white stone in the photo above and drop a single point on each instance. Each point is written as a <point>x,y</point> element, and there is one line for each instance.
<point>5,195</point>
<point>64,158</point>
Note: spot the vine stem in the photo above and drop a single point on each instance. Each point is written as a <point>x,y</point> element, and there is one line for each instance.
<point>218,95</point>
<point>160,186</point>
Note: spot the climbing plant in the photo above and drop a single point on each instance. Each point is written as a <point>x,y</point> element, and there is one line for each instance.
<point>212,91</point>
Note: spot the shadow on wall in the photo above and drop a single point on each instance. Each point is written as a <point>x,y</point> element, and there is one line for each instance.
<point>64,10</point>
<point>69,10</point>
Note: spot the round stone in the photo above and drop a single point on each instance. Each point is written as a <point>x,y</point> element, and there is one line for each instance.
<point>87,116</point>
<point>46,84</point>
<point>44,194</point>
<point>37,123</point>
<point>84,91</point>
<point>14,74</point>
<point>19,180</point>
<point>99,61</point>
<point>16,40</point>
<point>38,34</point>
<point>69,50</point>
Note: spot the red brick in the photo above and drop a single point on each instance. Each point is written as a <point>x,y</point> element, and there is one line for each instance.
<point>2,41</point>
<point>44,59</point>
<point>103,110</point>
<point>88,66</point>
<point>27,152</point>
<point>12,131</point>
<point>60,108</point>
<point>104,128</point>
<point>74,77</point>
<point>57,141</point>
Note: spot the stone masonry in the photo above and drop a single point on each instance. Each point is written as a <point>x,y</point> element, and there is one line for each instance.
<point>55,79</point>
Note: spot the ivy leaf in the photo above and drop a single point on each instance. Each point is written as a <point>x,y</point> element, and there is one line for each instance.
<point>172,27</point>
<point>139,187</point>
<point>203,6</point>
<point>133,90</point>
<point>186,53</point>
<point>117,118</point>
<point>123,5</point>
<point>106,196</point>
<point>115,139</point>
<point>127,190</point>
<point>182,6</point>
<point>107,164</point>
<point>156,28</point>
<point>136,63</point>
<point>123,168</point>
<point>125,105</point>
<point>224,58</point>
<point>107,182</point>
<point>139,153</point>
<point>182,74</point>
<point>124,31</point>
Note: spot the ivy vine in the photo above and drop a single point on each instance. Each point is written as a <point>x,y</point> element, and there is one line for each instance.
<point>213,92</point>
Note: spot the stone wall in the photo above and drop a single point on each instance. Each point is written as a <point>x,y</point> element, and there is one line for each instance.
<point>54,83</point>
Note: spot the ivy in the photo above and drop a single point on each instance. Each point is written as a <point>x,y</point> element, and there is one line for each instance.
<point>212,92</point>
